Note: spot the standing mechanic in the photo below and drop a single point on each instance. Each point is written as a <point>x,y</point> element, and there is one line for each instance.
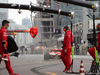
<point>92,50</point>
<point>3,47</point>
<point>67,47</point>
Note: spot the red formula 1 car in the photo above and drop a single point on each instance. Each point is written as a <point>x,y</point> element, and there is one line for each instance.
<point>55,53</point>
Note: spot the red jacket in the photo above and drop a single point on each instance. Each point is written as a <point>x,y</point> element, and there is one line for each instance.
<point>3,36</point>
<point>67,40</point>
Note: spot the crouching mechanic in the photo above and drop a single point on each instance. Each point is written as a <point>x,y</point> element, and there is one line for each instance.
<point>92,50</point>
<point>3,47</point>
<point>67,47</point>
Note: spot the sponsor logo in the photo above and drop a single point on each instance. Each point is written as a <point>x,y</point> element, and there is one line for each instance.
<point>4,34</point>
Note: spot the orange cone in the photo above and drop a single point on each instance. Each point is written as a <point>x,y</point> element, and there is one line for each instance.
<point>81,69</point>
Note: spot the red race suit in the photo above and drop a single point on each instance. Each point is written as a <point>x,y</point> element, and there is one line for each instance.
<point>3,36</point>
<point>67,46</point>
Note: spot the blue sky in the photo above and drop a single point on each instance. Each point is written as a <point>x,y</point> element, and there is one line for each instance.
<point>13,13</point>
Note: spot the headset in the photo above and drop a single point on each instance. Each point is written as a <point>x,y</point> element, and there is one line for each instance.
<point>66,28</point>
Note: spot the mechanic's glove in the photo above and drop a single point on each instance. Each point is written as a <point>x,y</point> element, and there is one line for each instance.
<point>6,51</point>
<point>62,47</point>
<point>62,42</point>
<point>5,57</point>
